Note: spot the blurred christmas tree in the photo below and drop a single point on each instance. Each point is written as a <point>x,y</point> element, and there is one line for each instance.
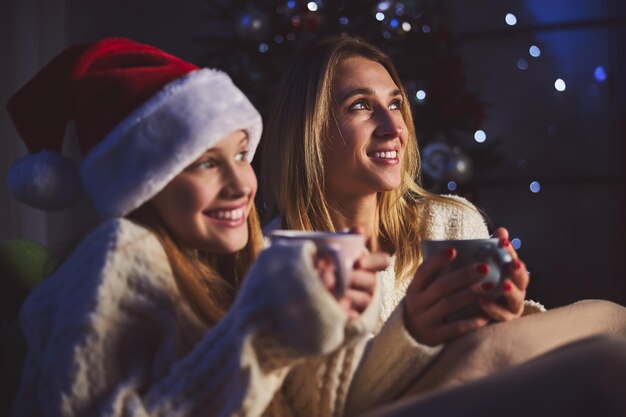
<point>253,41</point>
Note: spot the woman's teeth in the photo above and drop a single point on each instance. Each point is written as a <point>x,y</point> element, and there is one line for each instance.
<point>235,214</point>
<point>386,155</point>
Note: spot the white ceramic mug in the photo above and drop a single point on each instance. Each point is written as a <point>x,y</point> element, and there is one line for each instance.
<point>344,248</point>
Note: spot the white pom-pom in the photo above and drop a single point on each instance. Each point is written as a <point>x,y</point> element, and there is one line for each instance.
<point>46,180</point>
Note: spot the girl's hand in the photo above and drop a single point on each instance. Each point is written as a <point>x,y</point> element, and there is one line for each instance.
<point>514,290</point>
<point>359,293</point>
<point>429,301</point>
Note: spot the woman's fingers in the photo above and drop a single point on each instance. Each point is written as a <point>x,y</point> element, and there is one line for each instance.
<point>519,274</point>
<point>512,305</point>
<point>451,330</point>
<point>453,281</point>
<point>428,269</point>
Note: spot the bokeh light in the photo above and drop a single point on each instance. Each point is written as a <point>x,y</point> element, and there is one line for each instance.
<point>534,51</point>
<point>522,64</point>
<point>510,19</point>
<point>559,84</point>
<point>600,74</point>
<point>535,187</point>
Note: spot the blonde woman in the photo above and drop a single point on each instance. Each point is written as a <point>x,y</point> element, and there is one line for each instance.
<point>340,151</point>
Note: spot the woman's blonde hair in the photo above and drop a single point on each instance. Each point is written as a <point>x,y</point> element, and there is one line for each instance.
<point>292,169</point>
<point>209,281</point>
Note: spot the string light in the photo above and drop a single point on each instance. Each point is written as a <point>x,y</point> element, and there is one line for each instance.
<point>522,64</point>
<point>559,84</point>
<point>263,47</point>
<point>534,51</point>
<point>600,74</point>
<point>406,26</point>
<point>420,95</point>
<point>312,6</point>
<point>344,20</point>
<point>510,19</point>
<point>480,136</point>
<point>426,29</point>
<point>517,243</point>
<point>535,187</point>
<point>383,5</point>
<point>380,16</point>
<point>452,186</point>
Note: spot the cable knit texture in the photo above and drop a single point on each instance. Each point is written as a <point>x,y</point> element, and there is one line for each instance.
<point>110,334</point>
<point>380,369</point>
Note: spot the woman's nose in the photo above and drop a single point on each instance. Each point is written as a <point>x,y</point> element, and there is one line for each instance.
<point>390,123</point>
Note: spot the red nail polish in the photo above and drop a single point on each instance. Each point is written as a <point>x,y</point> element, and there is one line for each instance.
<point>504,242</point>
<point>517,265</point>
<point>449,252</point>
<point>482,269</point>
<point>487,285</point>
<point>507,286</point>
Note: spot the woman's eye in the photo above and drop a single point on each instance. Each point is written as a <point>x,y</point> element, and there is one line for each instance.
<point>359,105</point>
<point>396,105</point>
<point>242,156</point>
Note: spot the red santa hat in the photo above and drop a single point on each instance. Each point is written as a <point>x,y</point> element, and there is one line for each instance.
<point>141,116</point>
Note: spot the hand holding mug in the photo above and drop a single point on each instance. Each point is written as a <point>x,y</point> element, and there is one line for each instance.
<point>460,286</point>
<point>343,265</point>
<point>513,287</point>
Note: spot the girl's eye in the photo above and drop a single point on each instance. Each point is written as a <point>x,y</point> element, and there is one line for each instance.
<point>242,156</point>
<point>206,164</point>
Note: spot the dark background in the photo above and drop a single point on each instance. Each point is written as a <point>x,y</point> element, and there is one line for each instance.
<point>571,142</point>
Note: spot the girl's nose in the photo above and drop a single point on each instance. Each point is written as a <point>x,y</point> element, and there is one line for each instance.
<point>236,182</point>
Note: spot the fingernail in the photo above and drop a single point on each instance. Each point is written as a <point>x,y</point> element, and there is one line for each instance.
<point>507,287</point>
<point>516,265</point>
<point>487,285</point>
<point>482,269</point>
<point>449,252</point>
<point>504,242</point>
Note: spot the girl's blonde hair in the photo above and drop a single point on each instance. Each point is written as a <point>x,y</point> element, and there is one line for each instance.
<point>209,281</point>
<point>292,170</point>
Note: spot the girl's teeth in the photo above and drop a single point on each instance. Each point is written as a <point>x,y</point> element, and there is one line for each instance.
<point>386,155</point>
<point>228,214</point>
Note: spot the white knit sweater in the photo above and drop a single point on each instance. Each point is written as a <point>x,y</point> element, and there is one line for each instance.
<point>391,359</point>
<point>109,333</point>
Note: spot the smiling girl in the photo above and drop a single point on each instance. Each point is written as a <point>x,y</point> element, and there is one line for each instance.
<point>160,310</point>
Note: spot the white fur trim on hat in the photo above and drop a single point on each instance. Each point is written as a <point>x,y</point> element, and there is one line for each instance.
<point>157,141</point>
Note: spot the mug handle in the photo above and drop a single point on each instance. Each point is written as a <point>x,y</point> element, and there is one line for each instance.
<point>342,269</point>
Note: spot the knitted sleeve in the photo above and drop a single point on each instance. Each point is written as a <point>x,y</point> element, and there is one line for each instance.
<point>108,334</point>
<point>391,362</point>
